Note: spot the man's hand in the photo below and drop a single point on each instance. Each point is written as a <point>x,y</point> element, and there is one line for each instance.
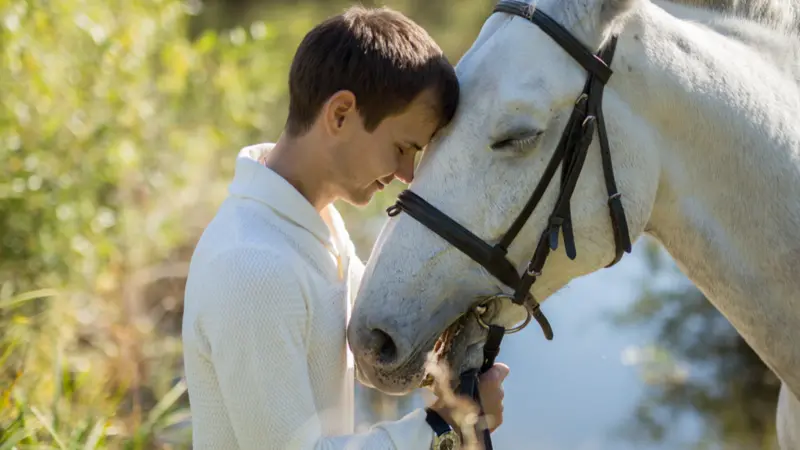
<point>491,390</point>
<point>490,386</point>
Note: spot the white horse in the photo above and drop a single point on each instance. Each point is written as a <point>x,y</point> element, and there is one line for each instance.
<point>702,118</point>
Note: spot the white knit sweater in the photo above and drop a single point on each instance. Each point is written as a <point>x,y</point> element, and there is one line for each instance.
<point>267,301</point>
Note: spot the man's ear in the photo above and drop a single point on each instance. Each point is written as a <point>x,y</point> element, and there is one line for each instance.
<point>338,111</point>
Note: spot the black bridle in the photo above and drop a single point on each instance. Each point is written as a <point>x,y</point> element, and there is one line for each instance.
<point>587,116</point>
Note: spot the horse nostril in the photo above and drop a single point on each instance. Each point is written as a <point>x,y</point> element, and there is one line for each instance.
<point>383,346</point>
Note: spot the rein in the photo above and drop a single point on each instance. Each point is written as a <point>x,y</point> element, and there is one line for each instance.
<point>469,379</point>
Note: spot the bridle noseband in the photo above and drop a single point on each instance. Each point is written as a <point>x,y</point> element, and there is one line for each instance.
<point>570,153</point>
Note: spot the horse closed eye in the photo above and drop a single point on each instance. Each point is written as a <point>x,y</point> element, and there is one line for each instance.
<point>520,142</point>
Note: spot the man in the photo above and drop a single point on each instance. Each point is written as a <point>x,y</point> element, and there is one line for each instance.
<point>273,276</point>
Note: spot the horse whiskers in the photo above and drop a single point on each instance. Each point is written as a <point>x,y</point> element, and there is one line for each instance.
<point>463,409</point>
<point>442,347</point>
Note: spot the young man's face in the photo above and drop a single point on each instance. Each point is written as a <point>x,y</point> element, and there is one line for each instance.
<point>369,161</point>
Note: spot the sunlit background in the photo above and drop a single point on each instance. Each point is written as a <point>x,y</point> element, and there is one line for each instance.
<point>119,128</point>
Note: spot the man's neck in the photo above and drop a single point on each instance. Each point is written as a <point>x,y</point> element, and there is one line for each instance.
<point>302,163</point>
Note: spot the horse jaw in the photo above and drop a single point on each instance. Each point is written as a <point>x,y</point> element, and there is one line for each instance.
<point>416,284</point>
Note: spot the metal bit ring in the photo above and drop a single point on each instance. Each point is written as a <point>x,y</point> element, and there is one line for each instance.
<point>512,330</point>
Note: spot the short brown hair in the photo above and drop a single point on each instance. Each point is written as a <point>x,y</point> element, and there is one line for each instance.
<point>380,55</point>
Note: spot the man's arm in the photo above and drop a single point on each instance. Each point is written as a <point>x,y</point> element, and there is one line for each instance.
<point>256,338</point>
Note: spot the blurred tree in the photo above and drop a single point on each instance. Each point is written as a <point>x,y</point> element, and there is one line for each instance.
<point>453,23</point>
<point>118,137</point>
<point>229,13</point>
<point>699,366</point>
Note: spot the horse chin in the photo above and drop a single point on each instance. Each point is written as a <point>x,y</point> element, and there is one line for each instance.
<point>457,349</point>
<point>460,346</point>
<point>465,351</point>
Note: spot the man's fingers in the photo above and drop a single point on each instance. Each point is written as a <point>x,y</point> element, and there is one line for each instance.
<point>497,373</point>
<point>493,422</point>
<point>502,371</point>
<point>491,387</point>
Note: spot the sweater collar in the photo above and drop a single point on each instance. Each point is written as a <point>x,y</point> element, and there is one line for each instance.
<point>253,180</point>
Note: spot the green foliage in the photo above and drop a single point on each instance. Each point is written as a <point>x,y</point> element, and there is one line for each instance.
<point>119,135</point>
<point>699,367</point>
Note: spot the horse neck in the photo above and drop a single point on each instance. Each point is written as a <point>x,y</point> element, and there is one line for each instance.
<point>727,206</point>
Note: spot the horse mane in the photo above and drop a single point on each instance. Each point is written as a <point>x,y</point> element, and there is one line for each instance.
<point>779,14</point>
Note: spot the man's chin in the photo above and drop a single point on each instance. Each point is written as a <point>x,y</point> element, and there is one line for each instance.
<point>360,198</point>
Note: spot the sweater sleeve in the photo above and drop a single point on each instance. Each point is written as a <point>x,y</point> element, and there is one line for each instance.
<point>256,335</point>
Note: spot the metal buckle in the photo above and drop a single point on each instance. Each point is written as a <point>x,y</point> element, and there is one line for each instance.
<point>393,210</point>
<point>512,330</point>
<point>533,273</point>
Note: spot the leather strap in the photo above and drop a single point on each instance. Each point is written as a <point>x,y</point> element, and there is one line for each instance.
<point>619,222</point>
<point>468,385</point>
<point>591,62</point>
<point>492,347</point>
<point>491,258</point>
<point>437,423</point>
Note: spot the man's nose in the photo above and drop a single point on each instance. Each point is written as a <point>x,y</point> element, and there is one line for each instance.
<point>405,173</point>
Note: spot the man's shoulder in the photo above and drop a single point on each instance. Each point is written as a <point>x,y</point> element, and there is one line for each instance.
<point>240,280</point>
<point>241,228</point>
<point>245,290</point>
<point>233,249</point>
<point>262,265</point>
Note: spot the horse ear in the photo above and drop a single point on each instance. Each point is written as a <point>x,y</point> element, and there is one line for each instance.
<point>612,10</point>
